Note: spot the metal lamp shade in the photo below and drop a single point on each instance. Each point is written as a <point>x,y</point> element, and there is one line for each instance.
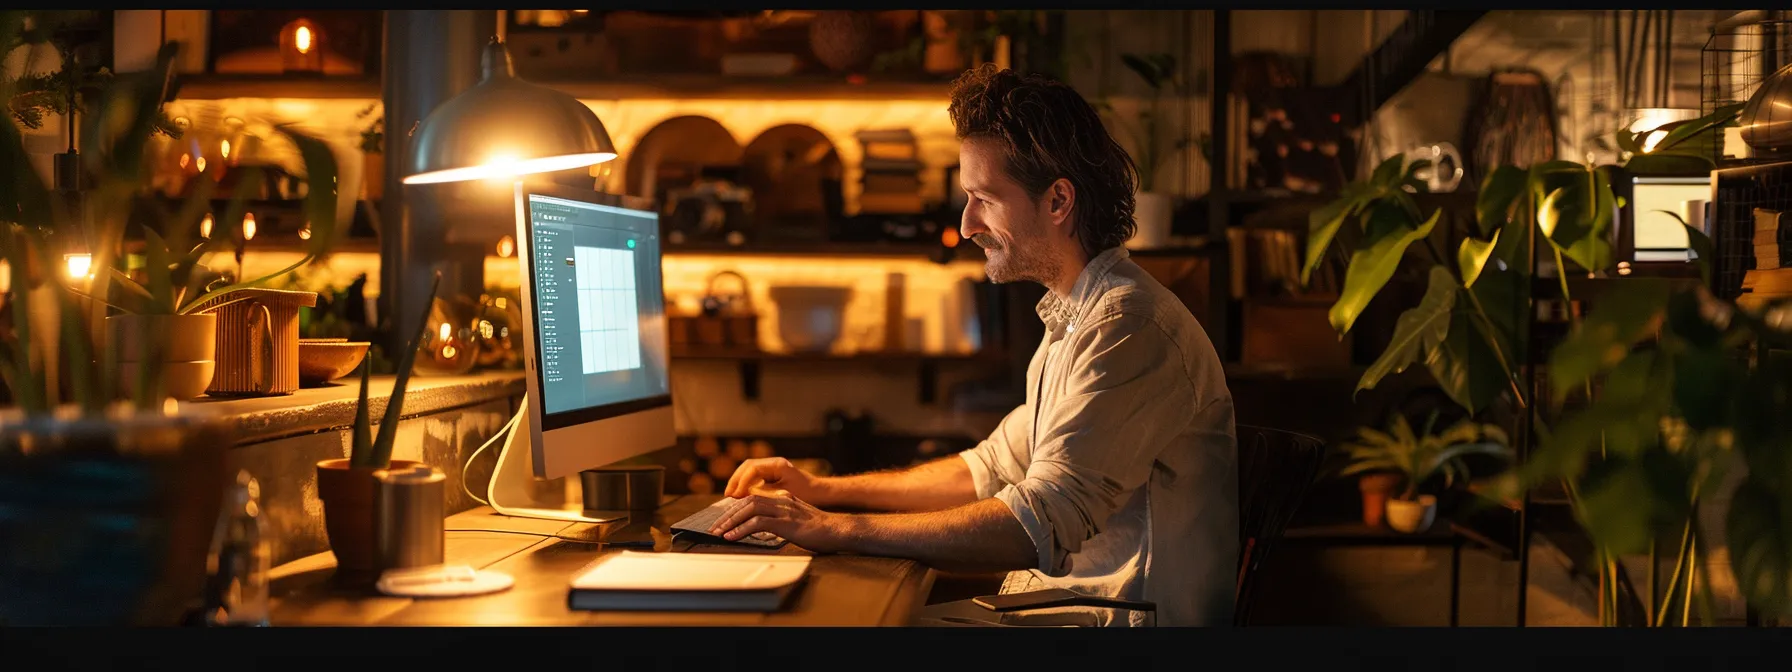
<point>503,127</point>
<point>1767,118</point>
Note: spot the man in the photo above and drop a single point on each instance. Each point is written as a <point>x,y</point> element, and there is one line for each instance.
<point>1118,477</point>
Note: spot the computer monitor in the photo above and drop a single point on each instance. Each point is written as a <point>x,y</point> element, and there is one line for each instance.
<point>595,341</point>
<point>1648,234</point>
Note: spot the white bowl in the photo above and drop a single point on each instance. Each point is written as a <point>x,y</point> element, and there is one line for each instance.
<point>810,319</point>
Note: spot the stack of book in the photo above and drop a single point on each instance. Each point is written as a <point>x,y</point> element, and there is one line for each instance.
<point>1770,236</point>
<point>892,180</point>
<point>1760,287</point>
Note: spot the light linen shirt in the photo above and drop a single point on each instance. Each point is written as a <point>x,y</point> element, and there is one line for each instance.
<point>1122,465</point>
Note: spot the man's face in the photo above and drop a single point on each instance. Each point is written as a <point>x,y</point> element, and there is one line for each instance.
<point>1012,228</point>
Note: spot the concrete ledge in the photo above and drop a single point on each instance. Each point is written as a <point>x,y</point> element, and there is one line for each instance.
<point>332,408</point>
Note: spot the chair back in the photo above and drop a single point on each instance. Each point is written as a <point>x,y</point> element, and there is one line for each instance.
<point>1275,469</point>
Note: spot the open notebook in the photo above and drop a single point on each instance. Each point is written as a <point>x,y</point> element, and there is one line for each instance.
<point>643,581</point>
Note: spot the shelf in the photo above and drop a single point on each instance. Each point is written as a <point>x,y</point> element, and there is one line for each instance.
<point>740,87</point>
<point>750,361</point>
<point>216,87</point>
<point>827,249</point>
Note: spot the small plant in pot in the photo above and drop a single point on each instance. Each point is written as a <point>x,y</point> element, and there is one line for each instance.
<point>346,485</point>
<point>1412,459</point>
<point>1152,208</point>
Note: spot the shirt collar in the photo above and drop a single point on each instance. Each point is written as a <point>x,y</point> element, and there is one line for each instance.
<point>1055,311</point>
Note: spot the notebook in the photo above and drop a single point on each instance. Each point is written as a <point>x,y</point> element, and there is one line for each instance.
<point>646,581</point>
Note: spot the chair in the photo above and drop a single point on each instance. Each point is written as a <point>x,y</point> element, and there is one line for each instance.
<point>1275,469</point>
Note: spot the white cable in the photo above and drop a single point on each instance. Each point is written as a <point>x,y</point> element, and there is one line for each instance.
<point>502,433</point>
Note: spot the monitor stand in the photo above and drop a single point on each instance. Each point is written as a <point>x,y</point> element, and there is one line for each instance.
<point>514,491</point>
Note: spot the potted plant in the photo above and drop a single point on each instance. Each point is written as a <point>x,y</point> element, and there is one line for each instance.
<point>110,505</point>
<point>346,485</point>
<point>1413,459</point>
<point>1152,209</point>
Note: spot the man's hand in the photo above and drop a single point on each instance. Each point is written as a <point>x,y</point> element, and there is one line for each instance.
<point>781,514</point>
<point>773,474</point>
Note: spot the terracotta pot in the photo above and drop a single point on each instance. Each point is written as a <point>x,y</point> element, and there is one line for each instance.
<point>1412,516</point>
<point>347,496</point>
<point>1376,489</point>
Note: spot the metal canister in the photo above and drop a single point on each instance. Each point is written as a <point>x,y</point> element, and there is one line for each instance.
<point>408,510</point>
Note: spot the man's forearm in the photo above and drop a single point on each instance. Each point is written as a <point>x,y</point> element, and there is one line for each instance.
<point>934,486</point>
<point>979,537</point>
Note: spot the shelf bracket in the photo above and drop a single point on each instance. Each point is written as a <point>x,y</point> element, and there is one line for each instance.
<point>749,379</point>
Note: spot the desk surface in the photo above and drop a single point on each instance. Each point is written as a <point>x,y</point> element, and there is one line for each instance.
<point>842,590</point>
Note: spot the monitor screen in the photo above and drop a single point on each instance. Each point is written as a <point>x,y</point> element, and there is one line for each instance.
<point>1658,236</point>
<point>600,318</point>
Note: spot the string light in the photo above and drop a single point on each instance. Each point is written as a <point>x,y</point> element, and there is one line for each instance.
<point>248,226</point>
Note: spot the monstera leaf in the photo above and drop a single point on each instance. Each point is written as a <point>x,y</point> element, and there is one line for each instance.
<point>1387,235</point>
<point>1419,330</point>
<point>1758,529</point>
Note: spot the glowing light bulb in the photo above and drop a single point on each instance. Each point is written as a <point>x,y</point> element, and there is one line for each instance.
<point>201,163</point>
<point>185,159</point>
<point>248,226</point>
<point>485,329</point>
<point>224,148</point>
<point>506,247</point>
<point>301,39</point>
<point>80,266</point>
<point>446,331</point>
<point>500,303</point>
<point>205,227</point>
<point>305,233</point>
<point>448,352</point>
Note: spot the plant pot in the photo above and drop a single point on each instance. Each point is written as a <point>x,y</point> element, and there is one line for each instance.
<point>108,520</point>
<point>1412,516</point>
<point>347,495</point>
<point>1152,212</point>
<point>1376,489</point>
<point>189,351</point>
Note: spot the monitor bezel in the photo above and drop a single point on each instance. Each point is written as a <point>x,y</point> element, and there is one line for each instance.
<point>1625,233</point>
<point>525,247</point>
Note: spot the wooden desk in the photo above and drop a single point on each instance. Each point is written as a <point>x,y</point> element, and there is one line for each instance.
<point>841,590</point>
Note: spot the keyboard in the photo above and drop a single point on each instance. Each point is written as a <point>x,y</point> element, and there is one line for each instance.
<point>699,523</point>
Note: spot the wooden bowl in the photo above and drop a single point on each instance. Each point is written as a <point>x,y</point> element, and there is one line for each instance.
<point>325,359</point>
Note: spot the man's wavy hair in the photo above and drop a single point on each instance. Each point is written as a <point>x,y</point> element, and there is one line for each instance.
<point>1047,131</point>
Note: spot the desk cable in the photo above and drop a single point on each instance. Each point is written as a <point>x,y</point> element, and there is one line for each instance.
<point>503,432</point>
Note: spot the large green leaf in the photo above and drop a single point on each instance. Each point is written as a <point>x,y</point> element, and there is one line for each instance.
<point>1502,295</point>
<point>1705,127</point>
<point>1576,216</point>
<point>1388,173</point>
<point>1323,225</point>
<point>1465,366</point>
<point>1493,205</point>
<point>1625,500</point>
<point>1758,530</point>
<point>1704,379</point>
<point>1640,379</point>
<point>320,189</point>
<point>1420,329</point>
<point>1604,425</point>
<point>1618,319</point>
<point>1387,236</point>
<point>1473,256</point>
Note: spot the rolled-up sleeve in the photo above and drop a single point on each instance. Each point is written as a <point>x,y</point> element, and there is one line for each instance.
<point>1000,460</point>
<point>1125,397</point>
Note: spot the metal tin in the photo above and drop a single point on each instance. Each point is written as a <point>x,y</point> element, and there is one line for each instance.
<point>633,487</point>
<point>408,511</point>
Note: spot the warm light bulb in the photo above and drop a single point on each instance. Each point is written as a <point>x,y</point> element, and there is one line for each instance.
<point>949,237</point>
<point>446,331</point>
<point>205,227</point>
<point>224,148</point>
<point>302,39</point>
<point>305,233</point>
<point>248,226</point>
<point>185,159</point>
<point>448,352</point>
<point>201,163</point>
<point>500,303</point>
<point>485,329</point>
<point>80,266</point>
<point>506,246</point>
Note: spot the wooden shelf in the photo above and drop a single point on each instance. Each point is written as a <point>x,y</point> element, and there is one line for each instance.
<point>826,249</point>
<point>749,362</point>
<point>733,87</point>
<point>215,87</point>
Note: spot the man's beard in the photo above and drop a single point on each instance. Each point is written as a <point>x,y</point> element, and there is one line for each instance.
<point>1009,263</point>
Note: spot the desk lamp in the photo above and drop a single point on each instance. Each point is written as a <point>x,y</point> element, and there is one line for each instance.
<point>504,127</point>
